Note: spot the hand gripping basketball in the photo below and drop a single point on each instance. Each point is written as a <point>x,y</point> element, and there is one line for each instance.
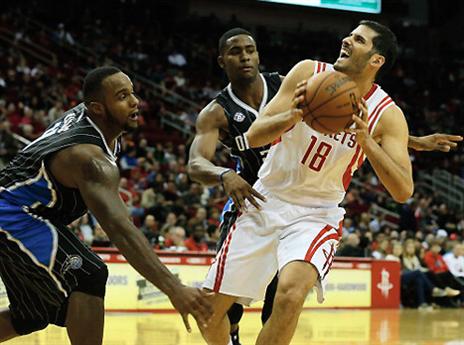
<point>362,125</point>
<point>330,100</point>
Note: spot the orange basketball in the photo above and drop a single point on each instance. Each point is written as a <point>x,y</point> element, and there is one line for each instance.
<point>331,99</point>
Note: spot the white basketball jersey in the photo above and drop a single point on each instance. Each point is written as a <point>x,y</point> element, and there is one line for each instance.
<point>312,169</point>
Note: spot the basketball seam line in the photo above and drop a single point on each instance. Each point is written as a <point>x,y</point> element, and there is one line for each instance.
<point>320,124</point>
<point>331,99</point>
<point>315,92</point>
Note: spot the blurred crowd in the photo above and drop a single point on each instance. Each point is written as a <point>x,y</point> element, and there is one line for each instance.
<point>176,214</point>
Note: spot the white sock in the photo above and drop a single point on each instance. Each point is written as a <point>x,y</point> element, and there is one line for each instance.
<point>230,341</point>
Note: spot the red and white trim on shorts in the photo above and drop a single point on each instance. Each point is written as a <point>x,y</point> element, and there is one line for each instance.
<point>222,260</point>
<point>318,241</point>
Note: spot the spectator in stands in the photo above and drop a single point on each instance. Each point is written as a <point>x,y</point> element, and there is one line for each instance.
<point>383,249</point>
<point>63,35</point>
<point>427,243</point>
<point>193,196</point>
<point>455,262</point>
<point>397,252</point>
<point>197,240</point>
<point>128,160</point>
<point>8,145</point>
<point>171,221</point>
<point>175,239</point>
<point>124,192</point>
<point>441,276</point>
<point>348,227</point>
<point>177,59</point>
<point>151,231</point>
<point>351,247</point>
<point>150,198</point>
<point>413,277</point>
<point>442,237</point>
<point>55,112</point>
<point>434,260</point>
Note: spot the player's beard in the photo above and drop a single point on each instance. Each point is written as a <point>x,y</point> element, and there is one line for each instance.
<point>127,128</point>
<point>355,66</point>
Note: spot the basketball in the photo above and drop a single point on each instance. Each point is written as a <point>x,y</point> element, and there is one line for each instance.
<point>331,99</point>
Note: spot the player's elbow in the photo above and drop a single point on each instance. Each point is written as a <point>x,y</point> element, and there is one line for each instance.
<point>251,139</point>
<point>403,194</point>
<point>192,169</point>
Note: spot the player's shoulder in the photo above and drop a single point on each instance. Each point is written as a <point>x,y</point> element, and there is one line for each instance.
<point>83,162</point>
<point>82,153</point>
<point>391,121</point>
<point>302,70</point>
<point>271,74</point>
<point>392,114</point>
<point>212,110</point>
<point>212,114</point>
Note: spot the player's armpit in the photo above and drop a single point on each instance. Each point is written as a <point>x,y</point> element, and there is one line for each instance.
<point>392,165</point>
<point>200,168</point>
<point>281,113</point>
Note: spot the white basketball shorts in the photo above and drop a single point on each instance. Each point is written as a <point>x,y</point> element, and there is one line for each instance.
<point>260,243</point>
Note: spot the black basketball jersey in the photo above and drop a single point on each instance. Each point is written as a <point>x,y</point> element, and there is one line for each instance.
<point>240,116</point>
<point>26,181</point>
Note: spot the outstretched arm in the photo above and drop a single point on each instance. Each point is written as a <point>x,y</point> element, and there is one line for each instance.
<point>97,179</point>
<point>434,142</point>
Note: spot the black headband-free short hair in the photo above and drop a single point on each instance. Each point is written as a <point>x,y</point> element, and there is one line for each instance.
<point>93,81</point>
<point>231,33</point>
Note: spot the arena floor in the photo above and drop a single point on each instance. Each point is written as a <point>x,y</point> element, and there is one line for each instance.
<point>347,327</point>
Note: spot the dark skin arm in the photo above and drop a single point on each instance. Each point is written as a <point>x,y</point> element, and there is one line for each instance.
<point>200,168</point>
<point>85,167</point>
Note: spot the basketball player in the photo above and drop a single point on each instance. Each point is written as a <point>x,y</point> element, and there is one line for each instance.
<point>296,229</point>
<point>227,118</point>
<point>49,274</point>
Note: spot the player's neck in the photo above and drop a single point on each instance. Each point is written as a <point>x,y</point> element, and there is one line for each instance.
<point>364,84</point>
<point>110,134</point>
<point>249,92</point>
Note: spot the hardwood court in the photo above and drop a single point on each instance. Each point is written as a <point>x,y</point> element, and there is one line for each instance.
<point>316,327</point>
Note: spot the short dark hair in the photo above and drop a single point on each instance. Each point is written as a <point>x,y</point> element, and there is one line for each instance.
<point>385,44</point>
<point>231,33</point>
<point>94,79</point>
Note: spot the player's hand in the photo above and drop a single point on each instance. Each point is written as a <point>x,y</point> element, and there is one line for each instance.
<point>239,190</point>
<point>188,300</point>
<point>298,101</point>
<point>437,142</point>
<point>362,125</point>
